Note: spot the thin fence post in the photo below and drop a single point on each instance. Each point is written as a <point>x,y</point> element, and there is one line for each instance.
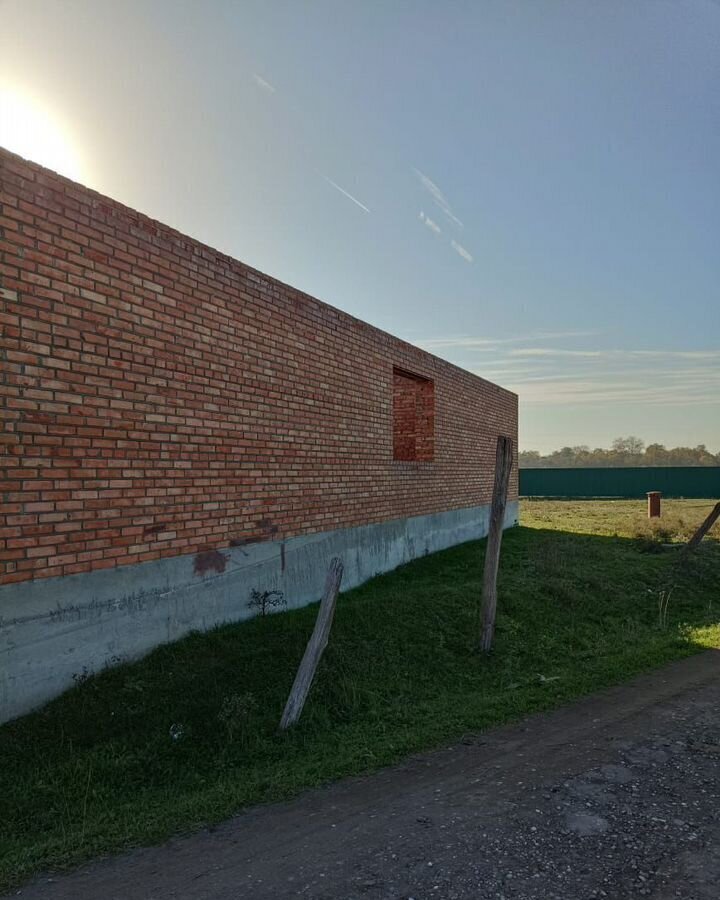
<point>703,529</point>
<point>503,466</point>
<point>315,647</point>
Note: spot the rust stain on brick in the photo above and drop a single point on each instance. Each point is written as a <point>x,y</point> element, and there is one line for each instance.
<point>254,538</point>
<point>154,529</point>
<point>210,561</point>
<point>266,526</point>
<point>265,532</point>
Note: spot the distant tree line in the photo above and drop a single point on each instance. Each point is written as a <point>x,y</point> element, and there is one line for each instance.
<point>629,451</point>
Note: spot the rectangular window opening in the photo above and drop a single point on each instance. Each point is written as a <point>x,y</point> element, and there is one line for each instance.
<point>413,417</point>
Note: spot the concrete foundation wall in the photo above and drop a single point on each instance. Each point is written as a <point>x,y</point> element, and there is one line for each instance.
<point>55,628</point>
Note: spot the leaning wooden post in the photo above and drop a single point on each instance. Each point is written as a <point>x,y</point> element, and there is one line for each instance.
<point>315,647</point>
<point>703,529</point>
<point>503,466</point>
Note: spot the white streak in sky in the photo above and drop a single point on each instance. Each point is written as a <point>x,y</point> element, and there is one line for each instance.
<point>261,83</point>
<point>345,194</point>
<point>458,248</point>
<point>438,197</point>
<point>432,225</point>
<point>478,342</point>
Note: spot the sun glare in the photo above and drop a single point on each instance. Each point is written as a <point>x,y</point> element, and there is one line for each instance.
<point>32,131</point>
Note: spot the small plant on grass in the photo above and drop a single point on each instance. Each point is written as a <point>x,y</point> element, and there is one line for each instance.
<point>664,532</point>
<point>82,677</point>
<point>235,714</point>
<point>262,601</point>
<point>663,606</point>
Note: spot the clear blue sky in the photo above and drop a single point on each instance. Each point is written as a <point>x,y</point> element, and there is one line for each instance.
<point>531,190</point>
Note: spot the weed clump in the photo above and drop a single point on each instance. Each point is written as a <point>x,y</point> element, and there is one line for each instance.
<point>263,601</point>
<point>235,714</point>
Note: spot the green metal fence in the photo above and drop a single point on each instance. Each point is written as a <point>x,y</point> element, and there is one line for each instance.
<point>673,481</point>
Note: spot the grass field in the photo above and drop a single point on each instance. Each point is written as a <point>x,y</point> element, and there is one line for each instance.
<point>189,735</point>
<point>620,518</point>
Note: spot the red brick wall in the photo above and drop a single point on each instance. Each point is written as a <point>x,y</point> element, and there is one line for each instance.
<point>160,398</point>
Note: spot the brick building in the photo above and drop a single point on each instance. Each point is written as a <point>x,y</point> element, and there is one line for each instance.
<point>180,430</point>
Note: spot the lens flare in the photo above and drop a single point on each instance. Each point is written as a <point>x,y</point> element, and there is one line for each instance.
<point>35,133</point>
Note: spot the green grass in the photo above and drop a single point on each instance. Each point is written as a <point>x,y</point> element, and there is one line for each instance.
<point>97,770</point>
<point>620,518</point>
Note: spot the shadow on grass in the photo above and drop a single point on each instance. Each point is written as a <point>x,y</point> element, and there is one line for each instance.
<point>188,735</point>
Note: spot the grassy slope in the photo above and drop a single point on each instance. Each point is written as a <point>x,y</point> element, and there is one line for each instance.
<point>97,769</point>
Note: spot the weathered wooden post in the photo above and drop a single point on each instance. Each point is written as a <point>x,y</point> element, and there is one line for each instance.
<point>315,647</point>
<point>703,529</point>
<point>503,466</point>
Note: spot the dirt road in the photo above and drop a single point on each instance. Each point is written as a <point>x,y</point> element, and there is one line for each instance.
<point>616,796</point>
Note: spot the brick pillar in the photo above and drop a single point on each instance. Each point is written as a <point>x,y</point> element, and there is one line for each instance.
<point>654,504</point>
